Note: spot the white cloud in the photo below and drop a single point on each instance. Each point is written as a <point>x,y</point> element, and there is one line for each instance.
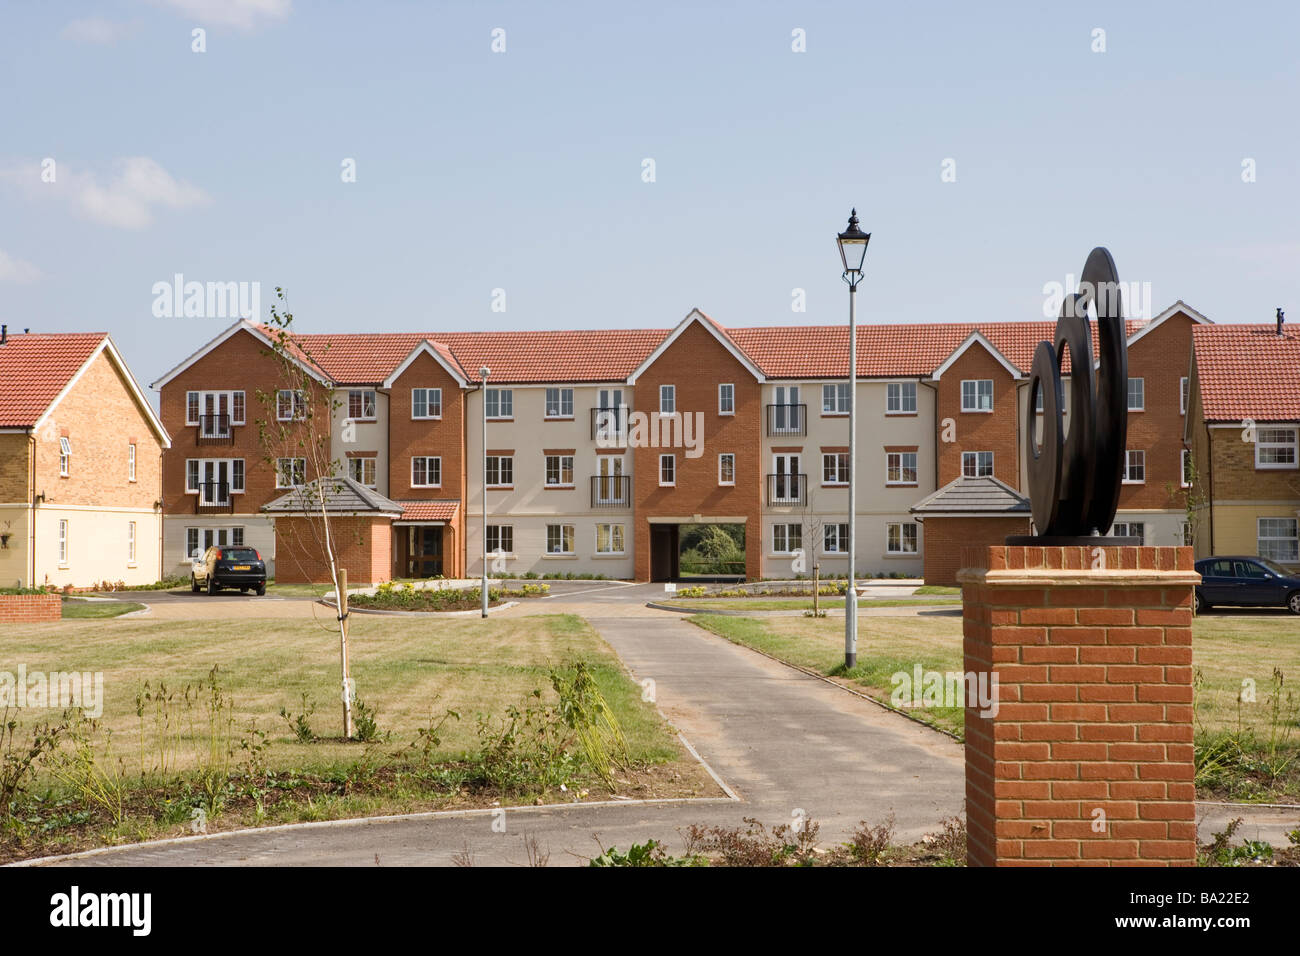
<point>96,31</point>
<point>127,199</point>
<point>243,14</point>
<point>17,270</point>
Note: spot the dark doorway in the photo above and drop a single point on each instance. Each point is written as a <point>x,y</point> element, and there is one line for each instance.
<point>663,552</point>
<point>424,552</point>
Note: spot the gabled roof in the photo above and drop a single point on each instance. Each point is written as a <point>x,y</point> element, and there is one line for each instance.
<point>1248,371</point>
<point>440,354</point>
<point>1177,307</point>
<point>974,496</point>
<point>264,334</point>
<point>695,316</point>
<point>976,338</point>
<point>37,371</point>
<point>342,495</point>
<point>435,509</point>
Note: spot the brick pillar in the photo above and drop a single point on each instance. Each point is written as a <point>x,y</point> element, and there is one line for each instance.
<point>1092,648</point>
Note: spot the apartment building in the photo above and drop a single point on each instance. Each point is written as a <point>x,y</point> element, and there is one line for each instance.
<point>601,445</point>
<point>80,465</point>
<point>1243,429</point>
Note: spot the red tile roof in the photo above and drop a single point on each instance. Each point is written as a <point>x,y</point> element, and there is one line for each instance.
<point>1248,371</point>
<point>438,509</point>
<point>34,369</point>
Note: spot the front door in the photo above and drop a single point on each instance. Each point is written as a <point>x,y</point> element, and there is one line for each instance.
<point>215,488</point>
<point>425,559</point>
<point>787,478</point>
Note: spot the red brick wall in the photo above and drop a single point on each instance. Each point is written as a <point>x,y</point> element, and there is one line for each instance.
<point>1160,359</point>
<point>696,363</point>
<point>979,431</point>
<point>443,437</point>
<point>945,538</point>
<point>1095,671</point>
<point>30,608</point>
<point>363,545</point>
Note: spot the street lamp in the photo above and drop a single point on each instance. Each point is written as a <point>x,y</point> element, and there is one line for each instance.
<point>483,377</point>
<point>853,252</point>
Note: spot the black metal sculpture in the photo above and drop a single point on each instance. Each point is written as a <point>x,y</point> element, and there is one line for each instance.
<point>1075,478</point>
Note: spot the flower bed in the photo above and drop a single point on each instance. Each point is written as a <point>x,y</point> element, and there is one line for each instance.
<point>406,597</point>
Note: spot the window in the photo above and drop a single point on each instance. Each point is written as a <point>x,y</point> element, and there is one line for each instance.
<point>835,399</point>
<point>500,471</point>
<point>667,399</point>
<point>1185,536</point>
<point>1137,394</point>
<point>977,395</point>
<point>1186,458</point>
<point>727,469</point>
<point>65,457</point>
<point>192,474</point>
<point>835,538</point>
<point>213,472</point>
<point>727,399</point>
<point>901,398</point>
<point>559,539</point>
<point>130,462</point>
<point>191,542</point>
<point>559,403</point>
<point>1130,529</point>
<point>1279,539</point>
<point>290,405</point>
<point>977,464</point>
<point>426,403</point>
<point>207,410</point>
<point>900,537</point>
<point>237,474</point>
<point>1135,467</point>
<point>835,468</point>
<point>1182,395</point>
<point>237,536</point>
<point>361,404</point>
<point>426,472</point>
<point>1276,447</point>
<point>900,467</point>
<point>559,470</point>
<point>130,543</point>
<point>362,471</point>
<point>500,538</point>
<point>667,470</point>
<point>500,403</point>
<point>290,472</point>
<point>192,408</point>
<point>609,539</point>
<point>63,542</point>
<point>787,538</point>
<point>1038,401</point>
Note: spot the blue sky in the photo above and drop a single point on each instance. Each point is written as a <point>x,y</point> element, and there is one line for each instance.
<point>523,170</point>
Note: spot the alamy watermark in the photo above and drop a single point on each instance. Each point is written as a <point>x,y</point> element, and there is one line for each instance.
<point>179,299</point>
<point>57,689</point>
<point>923,688</point>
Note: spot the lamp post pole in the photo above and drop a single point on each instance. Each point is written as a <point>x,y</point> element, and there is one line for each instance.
<point>483,376</point>
<point>853,252</point>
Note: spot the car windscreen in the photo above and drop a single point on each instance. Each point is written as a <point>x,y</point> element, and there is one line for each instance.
<point>238,554</point>
<point>1274,567</point>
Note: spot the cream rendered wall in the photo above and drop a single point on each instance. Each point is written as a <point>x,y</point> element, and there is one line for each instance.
<point>1236,528</point>
<point>15,560</point>
<point>530,506</point>
<point>97,545</point>
<point>365,435</point>
<point>877,504</point>
<point>259,533</point>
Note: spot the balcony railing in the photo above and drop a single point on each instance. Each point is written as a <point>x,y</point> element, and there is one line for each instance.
<point>213,498</point>
<point>787,419</point>
<point>609,426</point>
<point>787,489</point>
<point>214,430</point>
<point>611,491</point>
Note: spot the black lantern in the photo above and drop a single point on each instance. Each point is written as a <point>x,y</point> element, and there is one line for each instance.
<point>853,248</point>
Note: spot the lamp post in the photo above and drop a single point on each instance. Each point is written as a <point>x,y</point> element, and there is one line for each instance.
<point>853,252</point>
<point>483,377</point>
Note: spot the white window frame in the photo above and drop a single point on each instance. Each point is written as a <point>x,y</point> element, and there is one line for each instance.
<point>1183,457</point>
<point>130,461</point>
<point>1129,462</point>
<point>840,531</point>
<point>832,392</point>
<point>1184,393</point>
<point>727,398</point>
<point>975,456</point>
<point>130,544</point>
<point>198,542</point>
<point>297,403</point>
<point>896,402</point>
<point>504,399</point>
<point>560,469</point>
<point>1268,552</point>
<point>616,533</point>
<point>65,457</point>
<point>838,482</point>
<point>785,542</point>
<point>294,470</point>
<point>1124,529</point>
<point>361,394</point>
<point>503,464</point>
<point>565,539</point>
<point>360,477</point>
<point>901,481</point>
<point>63,542</point>
<point>431,397</point>
<point>1141,394</point>
<point>500,532</point>
<point>1293,445</point>
<point>977,390</point>
<point>667,399</point>
<point>192,488</point>
<point>436,465</point>
<point>563,400</point>
<point>729,457</point>
<point>672,468</point>
<point>902,538</point>
<point>195,401</point>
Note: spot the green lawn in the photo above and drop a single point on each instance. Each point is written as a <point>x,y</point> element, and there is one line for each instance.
<point>74,609</point>
<point>797,604</point>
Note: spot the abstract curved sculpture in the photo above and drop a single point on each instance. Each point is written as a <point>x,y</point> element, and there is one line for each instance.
<point>1075,478</point>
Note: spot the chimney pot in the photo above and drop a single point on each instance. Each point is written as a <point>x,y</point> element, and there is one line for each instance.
<point>1281,317</point>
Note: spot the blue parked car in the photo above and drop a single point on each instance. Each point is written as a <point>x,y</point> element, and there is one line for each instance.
<point>1246,581</point>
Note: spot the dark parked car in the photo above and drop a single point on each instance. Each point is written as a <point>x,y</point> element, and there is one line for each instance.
<point>228,567</point>
<point>1246,581</point>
